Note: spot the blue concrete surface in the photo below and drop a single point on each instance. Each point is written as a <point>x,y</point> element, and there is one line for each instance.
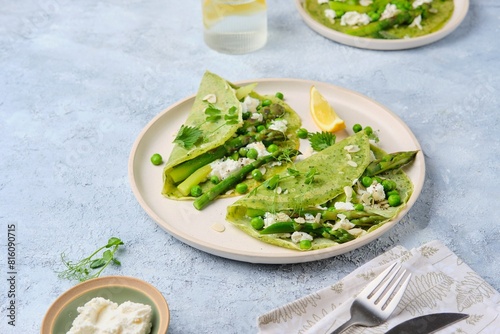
<point>79,80</point>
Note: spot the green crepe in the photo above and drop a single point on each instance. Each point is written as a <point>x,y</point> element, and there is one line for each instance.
<point>336,168</point>
<point>216,133</point>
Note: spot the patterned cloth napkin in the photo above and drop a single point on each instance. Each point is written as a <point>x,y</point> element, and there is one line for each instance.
<point>441,282</point>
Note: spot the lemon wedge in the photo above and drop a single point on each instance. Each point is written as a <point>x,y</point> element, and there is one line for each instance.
<point>323,114</point>
<point>216,10</point>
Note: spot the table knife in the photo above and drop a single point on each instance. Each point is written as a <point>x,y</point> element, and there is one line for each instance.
<point>427,324</point>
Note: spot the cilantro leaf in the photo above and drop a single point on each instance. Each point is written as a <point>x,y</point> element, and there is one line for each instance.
<point>321,140</point>
<point>188,136</point>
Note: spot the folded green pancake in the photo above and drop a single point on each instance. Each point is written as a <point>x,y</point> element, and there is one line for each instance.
<point>312,205</point>
<point>222,122</point>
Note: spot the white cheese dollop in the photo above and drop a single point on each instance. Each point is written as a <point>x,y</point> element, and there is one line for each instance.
<point>354,18</point>
<point>330,14</point>
<point>377,191</point>
<point>222,168</point>
<point>365,2</point>
<point>250,104</point>
<point>416,22</point>
<point>279,125</point>
<point>320,2</point>
<point>389,11</point>
<point>259,146</point>
<point>101,315</point>
<point>347,206</point>
<point>299,236</point>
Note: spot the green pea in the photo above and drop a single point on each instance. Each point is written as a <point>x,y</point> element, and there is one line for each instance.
<point>272,148</point>
<point>359,207</point>
<point>252,153</point>
<point>374,16</point>
<point>394,200</point>
<point>266,102</point>
<point>215,179</point>
<point>257,223</point>
<point>357,127</point>
<point>196,191</point>
<point>305,244</point>
<point>388,185</point>
<point>302,133</point>
<point>257,174</point>
<point>378,179</point>
<point>366,181</point>
<point>392,192</point>
<point>156,159</point>
<point>331,208</point>
<point>243,152</point>
<point>368,130</point>
<point>241,188</point>
<point>261,128</point>
<point>339,13</point>
<point>279,95</point>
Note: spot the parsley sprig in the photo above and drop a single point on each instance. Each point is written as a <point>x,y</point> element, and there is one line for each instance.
<point>321,140</point>
<point>91,266</point>
<point>188,136</point>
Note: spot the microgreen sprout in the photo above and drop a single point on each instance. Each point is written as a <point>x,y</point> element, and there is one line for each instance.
<point>91,266</point>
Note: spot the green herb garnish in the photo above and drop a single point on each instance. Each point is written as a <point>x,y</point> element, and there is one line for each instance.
<point>91,266</point>
<point>188,136</point>
<point>321,140</point>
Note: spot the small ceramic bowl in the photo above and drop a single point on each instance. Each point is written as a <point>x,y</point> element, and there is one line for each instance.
<point>119,289</point>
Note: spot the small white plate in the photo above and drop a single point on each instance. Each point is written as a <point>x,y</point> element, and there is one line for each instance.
<point>202,229</point>
<point>461,9</point>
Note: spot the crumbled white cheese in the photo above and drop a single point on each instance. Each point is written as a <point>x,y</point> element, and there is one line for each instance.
<point>389,11</point>
<point>271,218</point>
<point>347,206</point>
<point>101,315</point>
<point>210,98</point>
<point>352,148</point>
<point>250,104</point>
<point>299,236</point>
<point>330,14</point>
<point>365,2</point>
<point>320,2</point>
<point>222,168</point>
<point>416,22</point>
<point>418,3</point>
<point>259,146</point>
<point>354,18</point>
<point>279,125</point>
<point>309,218</point>
<point>343,223</point>
<point>257,116</point>
<point>377,191</point>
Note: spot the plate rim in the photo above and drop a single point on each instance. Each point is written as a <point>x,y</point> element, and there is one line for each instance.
<point>256,257</point>
<point>81,288</point>
<point>383,44</point>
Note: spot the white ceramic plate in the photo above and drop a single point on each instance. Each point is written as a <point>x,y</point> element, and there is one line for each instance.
<point>199,228</point>
<point>461,8</point>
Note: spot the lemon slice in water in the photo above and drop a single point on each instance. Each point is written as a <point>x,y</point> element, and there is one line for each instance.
<point>215,10</point>
<point>323,114</point>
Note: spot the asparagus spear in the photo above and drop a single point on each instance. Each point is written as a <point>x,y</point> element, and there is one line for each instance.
<point>180,172</point>
<point>238,176</point>
<point>373,28</point>
<point>389,161</point>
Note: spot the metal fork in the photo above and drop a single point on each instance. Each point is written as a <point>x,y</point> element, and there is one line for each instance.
<point>376,302</point>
